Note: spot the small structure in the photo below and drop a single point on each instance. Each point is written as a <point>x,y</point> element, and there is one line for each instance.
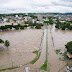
<point>69,68</point>
<point>27,69</point>
<point>69,55</point>
<point>22,23</point>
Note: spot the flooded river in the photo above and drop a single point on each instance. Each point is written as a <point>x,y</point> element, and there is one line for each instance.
<point>22,44</point>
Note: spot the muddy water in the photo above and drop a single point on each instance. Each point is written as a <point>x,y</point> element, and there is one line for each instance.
<point>22,44</point>
<point>60,38</point>
<point>42,58</point>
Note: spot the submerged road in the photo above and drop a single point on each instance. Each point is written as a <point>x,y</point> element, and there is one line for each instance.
<point>54,63</point>
<point>42,58</point>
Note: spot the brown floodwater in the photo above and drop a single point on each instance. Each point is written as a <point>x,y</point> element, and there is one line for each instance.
<point>42,58</point>
<point>22,44</point>
<point>60,38</point>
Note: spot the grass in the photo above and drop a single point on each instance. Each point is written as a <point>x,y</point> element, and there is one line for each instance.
<point>70,23</point>
<point>8,69</point>
<point>44,66</point>
<point>36,52</point>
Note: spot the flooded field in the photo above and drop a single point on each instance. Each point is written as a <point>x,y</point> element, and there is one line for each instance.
<point>22,44</point>
<point>60,38</point>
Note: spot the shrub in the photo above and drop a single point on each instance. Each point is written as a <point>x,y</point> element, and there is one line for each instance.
<point>17,28</point>
<point>38,27</point>
<point>22,27</point>
<point>7,43</point>
<point>25,25</point>
<point>1,41</point>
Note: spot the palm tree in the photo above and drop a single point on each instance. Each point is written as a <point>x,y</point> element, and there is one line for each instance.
<point>7,43</point>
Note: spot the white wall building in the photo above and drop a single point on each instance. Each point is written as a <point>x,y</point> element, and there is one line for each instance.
<point>16,15</point>
<point>33,20</point>
<point>5,19</point>
<point>37,21</point>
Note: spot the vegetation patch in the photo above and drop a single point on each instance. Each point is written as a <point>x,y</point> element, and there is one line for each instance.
<point>8,69</point>
<point>61,59</point>
<point>36,52</point>
<point>6,42</point>
<point>58,51</point>
<point>44,66</point>
<point>38,56</point>
<point>38,27</point>
<point>63,25</point>
<point>68,46</point>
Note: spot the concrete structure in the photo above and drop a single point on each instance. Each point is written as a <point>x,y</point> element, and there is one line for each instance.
<point>27,69</point>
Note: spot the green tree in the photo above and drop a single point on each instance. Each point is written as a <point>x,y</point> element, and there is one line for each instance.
<point>7,43</point>
<point>68,46</point>
<point>38,27</point>
<point>50,21</point>
<point>46,22</point>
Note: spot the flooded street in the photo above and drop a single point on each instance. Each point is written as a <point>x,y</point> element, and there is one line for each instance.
<point>22,44</point>
<point>60,38</point>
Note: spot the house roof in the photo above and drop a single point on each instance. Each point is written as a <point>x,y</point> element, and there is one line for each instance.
<point>69,55</point>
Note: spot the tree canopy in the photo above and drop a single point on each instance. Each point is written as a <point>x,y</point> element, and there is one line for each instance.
<point>68,46</point>
<point>1,41</point>
<point>7,43</point>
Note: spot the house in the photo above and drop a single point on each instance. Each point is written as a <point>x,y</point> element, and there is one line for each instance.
<point>37,21</point>
<point>5,19</point>
<point>16,16</point>
<point>33,20</point>
<point>22,22</point>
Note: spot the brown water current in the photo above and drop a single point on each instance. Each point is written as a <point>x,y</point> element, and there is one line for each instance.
<point>60,38</point>
<point>22,44</point>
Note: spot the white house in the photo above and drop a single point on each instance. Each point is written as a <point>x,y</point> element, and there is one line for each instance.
<point>16,16</point>
<point>5,19</point>
<point>33,20</point>
<point>18,21</point>
<point>37,21</point>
